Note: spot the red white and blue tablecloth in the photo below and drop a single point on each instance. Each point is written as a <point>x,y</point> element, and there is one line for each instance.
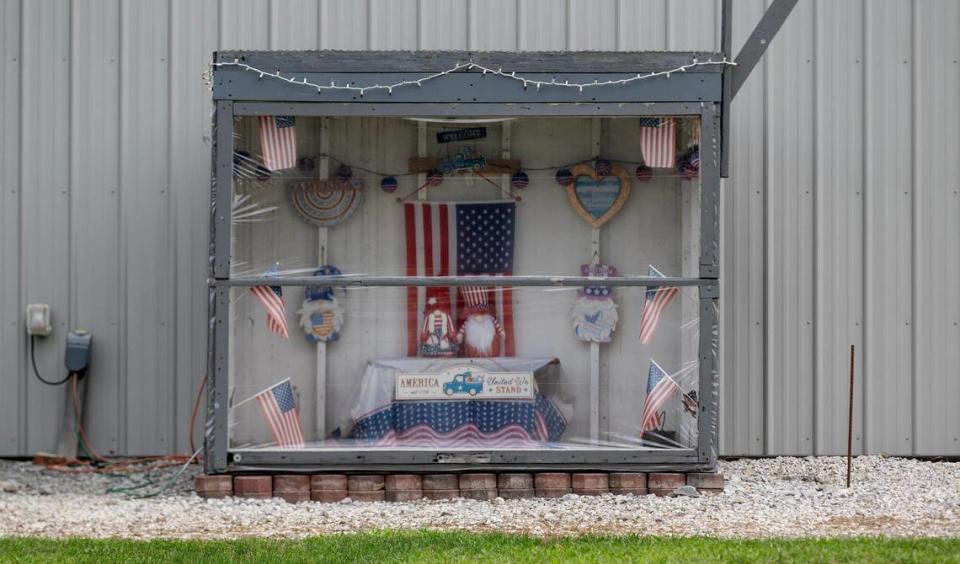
<point>380,421</point>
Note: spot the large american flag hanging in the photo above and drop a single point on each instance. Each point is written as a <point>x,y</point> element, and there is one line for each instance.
<point>278,142</point>
<point>660,386</point>
<point>280,412</point>
<point>658,142</point>
<point>657,299</point>
<point>463,424</point>
<point>271,297</point>
<point>475,238</point>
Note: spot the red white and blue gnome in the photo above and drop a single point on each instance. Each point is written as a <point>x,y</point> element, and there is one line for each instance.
<point>437,334</point>
<point>594,315</point>
<point>480,331</point>
<point>321,315</point>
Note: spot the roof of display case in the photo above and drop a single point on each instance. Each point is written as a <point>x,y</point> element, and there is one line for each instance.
<point>468,76</point>
<point>525,61</point>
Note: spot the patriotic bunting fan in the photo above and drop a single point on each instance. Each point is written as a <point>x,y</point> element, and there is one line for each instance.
<point>327,202</point>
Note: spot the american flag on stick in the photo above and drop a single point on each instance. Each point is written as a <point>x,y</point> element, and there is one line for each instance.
<point>271,297</point>
<point>658,142</point>
<point>660,386</point>
<point>278,142</point>
<point>281,414</point>
<point>657,299</point>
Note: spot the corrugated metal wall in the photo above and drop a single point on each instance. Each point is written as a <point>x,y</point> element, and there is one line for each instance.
<point>841,218</point>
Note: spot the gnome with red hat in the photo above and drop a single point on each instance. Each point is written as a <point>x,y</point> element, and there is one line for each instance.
<point>480,332</point>
<point>437,335</point>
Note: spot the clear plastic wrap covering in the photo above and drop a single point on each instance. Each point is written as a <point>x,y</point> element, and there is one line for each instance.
<point>413,365</point>
<point>355,175</point>
<point>377,396</point>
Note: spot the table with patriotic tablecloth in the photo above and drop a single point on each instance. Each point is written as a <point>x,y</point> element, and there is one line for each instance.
<point>378,419</point>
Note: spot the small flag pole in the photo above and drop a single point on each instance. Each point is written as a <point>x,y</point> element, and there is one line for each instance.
<point>850,422</point>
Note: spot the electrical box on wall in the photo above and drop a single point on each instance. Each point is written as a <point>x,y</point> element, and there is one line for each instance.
<point>77,357</point>
<point>38,320</point>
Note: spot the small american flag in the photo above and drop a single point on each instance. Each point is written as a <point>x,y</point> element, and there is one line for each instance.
<point>660,386</point>
<point>281,414</point>
<point>278,142</point>
<point>657,299</point>
<point>691,168</point>
<point>272,299</point>
<point>658,141</point>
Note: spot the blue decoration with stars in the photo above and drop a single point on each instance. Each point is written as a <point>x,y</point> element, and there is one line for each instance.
<point>644,173</point>
<point>389,184</point>
<point>485,233</point>
<point>564,177</point>
<point>520,180</point>
<point>283,393</point>
<point>284,121</point>
<point>344,172</point>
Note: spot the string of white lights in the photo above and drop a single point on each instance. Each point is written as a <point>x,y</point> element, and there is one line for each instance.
<point>468,66</point>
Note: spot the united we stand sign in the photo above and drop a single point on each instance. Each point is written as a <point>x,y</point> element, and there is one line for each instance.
<point>465,382</point>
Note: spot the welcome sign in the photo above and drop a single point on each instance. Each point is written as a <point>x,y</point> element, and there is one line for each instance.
<point>461,134</point>
<point>464,382</point>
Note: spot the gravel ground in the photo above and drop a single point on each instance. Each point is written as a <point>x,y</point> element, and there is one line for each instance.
<point>781,497</point>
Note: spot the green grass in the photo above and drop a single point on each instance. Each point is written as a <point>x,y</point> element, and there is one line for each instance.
<point>426,546</point>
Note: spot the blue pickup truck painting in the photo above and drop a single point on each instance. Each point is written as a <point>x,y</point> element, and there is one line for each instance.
<point>467,160</point>
<point>464,383</point>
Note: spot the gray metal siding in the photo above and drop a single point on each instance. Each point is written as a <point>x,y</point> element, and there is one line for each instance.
<point>840,221</point>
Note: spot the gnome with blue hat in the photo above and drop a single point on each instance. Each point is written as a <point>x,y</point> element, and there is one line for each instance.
<point>321,316</point>
<point>595,314</point>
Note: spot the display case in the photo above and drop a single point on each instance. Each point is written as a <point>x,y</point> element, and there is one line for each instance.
<point>456,260</point>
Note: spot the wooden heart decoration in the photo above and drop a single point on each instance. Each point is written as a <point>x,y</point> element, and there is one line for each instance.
<point>595,198</point>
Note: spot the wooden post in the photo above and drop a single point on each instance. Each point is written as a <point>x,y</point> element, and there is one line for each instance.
<point>323,171</point>
<point>506,187</point>
<point>595,347</point>
<point>69,428</point>
<point>421,152</point>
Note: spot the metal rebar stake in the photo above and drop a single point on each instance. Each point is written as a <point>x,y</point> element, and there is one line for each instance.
<point>850,421</point>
